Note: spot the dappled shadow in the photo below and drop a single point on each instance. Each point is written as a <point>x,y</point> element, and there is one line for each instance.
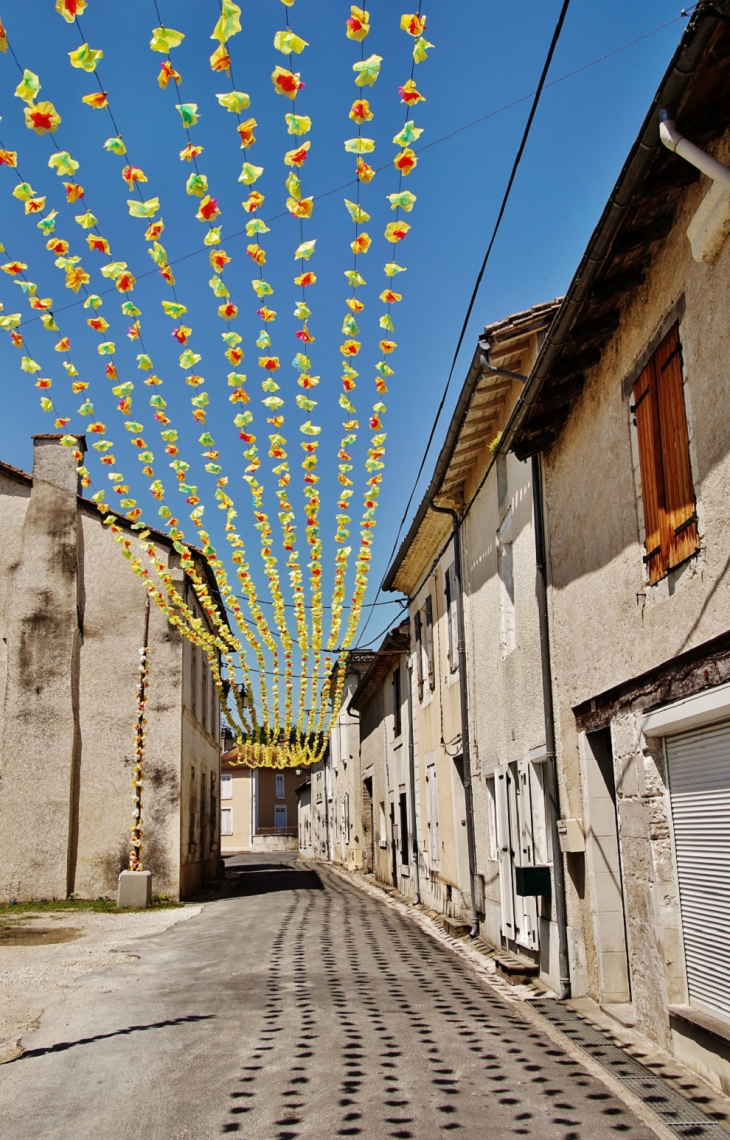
<point>62,1046</point>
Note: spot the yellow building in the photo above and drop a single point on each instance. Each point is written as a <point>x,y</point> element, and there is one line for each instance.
<point>258,807</point>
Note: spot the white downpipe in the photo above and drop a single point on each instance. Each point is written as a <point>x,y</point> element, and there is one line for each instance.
<point>687,150</point>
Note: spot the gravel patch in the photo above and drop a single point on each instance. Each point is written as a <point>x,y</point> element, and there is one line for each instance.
<point>34,977</point>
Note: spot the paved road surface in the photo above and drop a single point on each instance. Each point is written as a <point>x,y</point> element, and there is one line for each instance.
<point>298,1009</point>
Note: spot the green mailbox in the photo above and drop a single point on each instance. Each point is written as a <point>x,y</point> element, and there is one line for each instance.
<point>532,880</point>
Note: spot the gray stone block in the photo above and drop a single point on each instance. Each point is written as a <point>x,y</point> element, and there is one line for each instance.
<point>135,889</point>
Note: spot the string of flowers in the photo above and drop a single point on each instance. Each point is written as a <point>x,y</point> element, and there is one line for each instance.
<point>140,738</point>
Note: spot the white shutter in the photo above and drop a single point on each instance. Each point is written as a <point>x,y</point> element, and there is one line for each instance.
<point>699,779</point>
<point>226,787</point>
<point>505,852</point>
<point>226,821</point>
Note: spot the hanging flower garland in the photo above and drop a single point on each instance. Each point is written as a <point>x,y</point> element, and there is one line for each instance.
<point>140,738</point>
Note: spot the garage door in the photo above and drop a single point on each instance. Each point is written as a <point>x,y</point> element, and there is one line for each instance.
<point>699,780</point>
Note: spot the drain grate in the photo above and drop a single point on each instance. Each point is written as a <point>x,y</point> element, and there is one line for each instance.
<point>677,1113</point>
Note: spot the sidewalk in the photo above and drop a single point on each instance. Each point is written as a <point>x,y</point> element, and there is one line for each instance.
<point>631,1065</point>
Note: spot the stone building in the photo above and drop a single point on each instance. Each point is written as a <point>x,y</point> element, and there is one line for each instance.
<point>258,807</point>
<point>72,617</point>
<point>628,406</point>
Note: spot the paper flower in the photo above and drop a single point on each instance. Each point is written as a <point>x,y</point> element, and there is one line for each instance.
<point>174,309</point>
<point>167,72</point>
<point>13,268</point>
<point>361,244</point>
<point>270,363</point>
<point>387,345</point>
<point>234,101</point>
<point>262,288</point>
<point>421,49</point>
<point>298,124</point>
<point>4,37</point>
<point>359,145</point>
<point>256,226</point>
<point>356,212</point>
<point>392,270</point>
<point>133,174</point>
<point>301,209</point>
<point>246,130</point>
<point>364,171</point>
<point>256,253</point>
<point>286,82</point>
<point>220,60</point>
<point>287,43</point>
<point>406,161</point>
<point>70,9</point>
<point>43,118</point>
<point>8,158</point>
<point>146,209</point>
<point>354,305</point>
<point>87,221</point>
<point>28,87</point>
<point>62,163</point>
<point>208,209</point>
<point>354,278</point>
<point>305,250</point>
<point>396,231</point>
<point>297,157</point>
<point>410,134</point>
<point>115,146</point>
<point>85,57</point>
<point>29,365</point>
<point>410,94</point>
<point>252,203</point>
<point>305,279</point>
<point>197,185</point>
<point>414,25</point>
<point>360,112</point>
<point>403,200</point>
<point>98,100</point>
<point>357,24</point>
<point>388,297</point>
<point>350,347</point>
<point>165,39</point>
<point>367,70</point>
<point>229,23</point>
<point>188,113</point>
<point>189,152</point>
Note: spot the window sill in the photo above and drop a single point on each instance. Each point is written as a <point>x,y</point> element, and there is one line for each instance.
<point>704,1021</point>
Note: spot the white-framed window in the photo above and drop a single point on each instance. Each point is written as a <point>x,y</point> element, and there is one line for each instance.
<point>226,821</point>
<point>452,627</point>
<point>226,787</point>
<point>505,561</point>
<point>280,787</point>
<point>280,815</point>
<point>383,825</point>
<point>346,818</point>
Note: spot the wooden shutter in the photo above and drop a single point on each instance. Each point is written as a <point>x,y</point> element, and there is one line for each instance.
<point>681,517</point>
<point>449,593</point>
<point>429,643</point>
<point>419,653</point>
<point>666,477</point>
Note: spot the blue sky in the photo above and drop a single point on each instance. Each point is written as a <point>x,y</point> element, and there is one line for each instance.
<point>486,57</point>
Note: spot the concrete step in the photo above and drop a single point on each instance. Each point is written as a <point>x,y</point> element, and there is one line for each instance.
<point>515,970</point>
<point>456,927</point>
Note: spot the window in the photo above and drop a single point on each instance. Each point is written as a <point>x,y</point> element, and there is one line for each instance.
<point>280,787</point>
<point>383,825</point>
<point>226,821</point>
<point>452,623</point>
<point>226,787</point>
<point>433,813</point>
<point>505,563</point>
<point>204,686</point>
<point>403,825</point>
<point>492,817</point>
<point>203,821</point>
<point>213,811</point>
<point>194,680</point>
<point>429,643</point>
<point>280,816</point>
<point>667,491</point>
<point>501,479</point>
<point>346,818</point>
<point>192,808</point>
<point>395,682</point>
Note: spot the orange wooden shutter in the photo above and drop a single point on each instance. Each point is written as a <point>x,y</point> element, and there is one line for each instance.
<point>646,410</point>
<point>679,497</point>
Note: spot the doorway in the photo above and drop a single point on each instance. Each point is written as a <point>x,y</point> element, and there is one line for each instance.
<point>368,827</point>
<point>393,846</point>
<point>604,868</point>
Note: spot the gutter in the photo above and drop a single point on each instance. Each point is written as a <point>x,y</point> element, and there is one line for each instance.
<point>464,698</point>
<point>681,71</point>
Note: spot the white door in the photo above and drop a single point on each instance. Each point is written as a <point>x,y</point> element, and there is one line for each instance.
<point>699,782</point>
<point>505,852</point>
<point>280,816</point>
<point>527,904</point>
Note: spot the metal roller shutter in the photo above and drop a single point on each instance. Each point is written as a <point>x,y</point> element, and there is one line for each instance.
<point>699,779</point>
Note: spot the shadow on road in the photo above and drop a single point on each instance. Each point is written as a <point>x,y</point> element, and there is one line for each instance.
<point>268,878</point>
<point>62,1046</point>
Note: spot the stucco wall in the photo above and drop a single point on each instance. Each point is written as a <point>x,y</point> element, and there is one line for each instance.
<point>608,625</point>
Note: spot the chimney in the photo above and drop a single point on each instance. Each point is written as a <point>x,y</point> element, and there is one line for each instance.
<point>55,464</point>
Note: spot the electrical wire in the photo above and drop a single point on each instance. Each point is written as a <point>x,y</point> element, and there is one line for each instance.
<point>477,284</point>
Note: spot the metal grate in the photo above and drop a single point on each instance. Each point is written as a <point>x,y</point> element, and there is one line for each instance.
<point>676,1112</point>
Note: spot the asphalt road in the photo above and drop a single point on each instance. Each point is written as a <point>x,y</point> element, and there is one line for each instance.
<point>297,1008</point>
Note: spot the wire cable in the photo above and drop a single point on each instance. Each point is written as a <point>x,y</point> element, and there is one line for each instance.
<point>477,284</point>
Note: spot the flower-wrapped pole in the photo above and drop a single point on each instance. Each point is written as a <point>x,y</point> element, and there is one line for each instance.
<point>140,737</point>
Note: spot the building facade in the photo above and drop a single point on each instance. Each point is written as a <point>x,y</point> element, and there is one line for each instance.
<point>258,807</point>
<point>73,619</point>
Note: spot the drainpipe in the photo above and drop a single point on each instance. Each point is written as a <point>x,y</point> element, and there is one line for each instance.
<point>465,750</point>
<point>687,150</point>
<point>561,913</point>
<point>412,779</point>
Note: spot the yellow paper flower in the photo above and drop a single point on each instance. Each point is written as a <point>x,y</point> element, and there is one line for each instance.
<point>70,9</point>
<point>414,25</point>
<point>85,57</point>
<point>357,24</point>
<point>165,39</point>
<point>28,87</point>
<point>43,118</point>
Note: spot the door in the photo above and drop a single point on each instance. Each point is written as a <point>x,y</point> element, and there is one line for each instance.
<point>513,803</point>
<point>699,783</point>
<point>280,816</point>
<point>604,867</point>
<point>505,851</point>
<point>393,847</point>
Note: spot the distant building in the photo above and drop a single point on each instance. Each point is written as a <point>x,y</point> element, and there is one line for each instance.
<point>258,807</point>
<point>72,624</point>
<point>304,814</point>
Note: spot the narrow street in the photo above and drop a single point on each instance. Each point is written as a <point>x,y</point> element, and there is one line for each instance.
<point>297,1007</point>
